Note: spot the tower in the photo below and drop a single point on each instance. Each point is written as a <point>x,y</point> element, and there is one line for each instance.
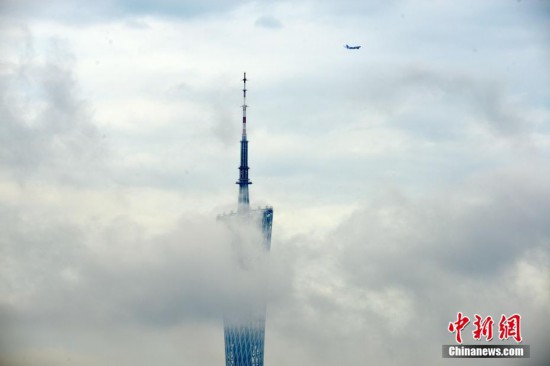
<point>245,334</point>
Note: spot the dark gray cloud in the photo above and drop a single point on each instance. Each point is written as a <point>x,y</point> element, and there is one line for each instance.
<point>47,127</point>
<point>444,105</point>
<point>399,269</point>
<point>84,12</point>
<point>268,22</point>
<point>477,232</point>
<point>488,100</point>
<point>81,275</point>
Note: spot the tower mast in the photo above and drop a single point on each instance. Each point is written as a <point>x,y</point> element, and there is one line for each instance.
<point>243,181</point>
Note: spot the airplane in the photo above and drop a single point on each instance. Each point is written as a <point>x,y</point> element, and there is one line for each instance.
<point>352,47</point>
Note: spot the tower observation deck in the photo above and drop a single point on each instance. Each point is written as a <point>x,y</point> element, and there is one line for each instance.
<point>245,335</point>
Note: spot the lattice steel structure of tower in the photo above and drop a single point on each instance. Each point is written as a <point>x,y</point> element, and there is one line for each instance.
<point>244,336</point>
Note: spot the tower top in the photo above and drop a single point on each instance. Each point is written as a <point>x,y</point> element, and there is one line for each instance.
<point>243,181</point>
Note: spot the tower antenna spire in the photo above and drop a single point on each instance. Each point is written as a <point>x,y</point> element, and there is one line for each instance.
<point>243,181</point>
<point>244,105</point>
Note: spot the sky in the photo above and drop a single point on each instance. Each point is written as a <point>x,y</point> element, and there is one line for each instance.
<point>409,178</point>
